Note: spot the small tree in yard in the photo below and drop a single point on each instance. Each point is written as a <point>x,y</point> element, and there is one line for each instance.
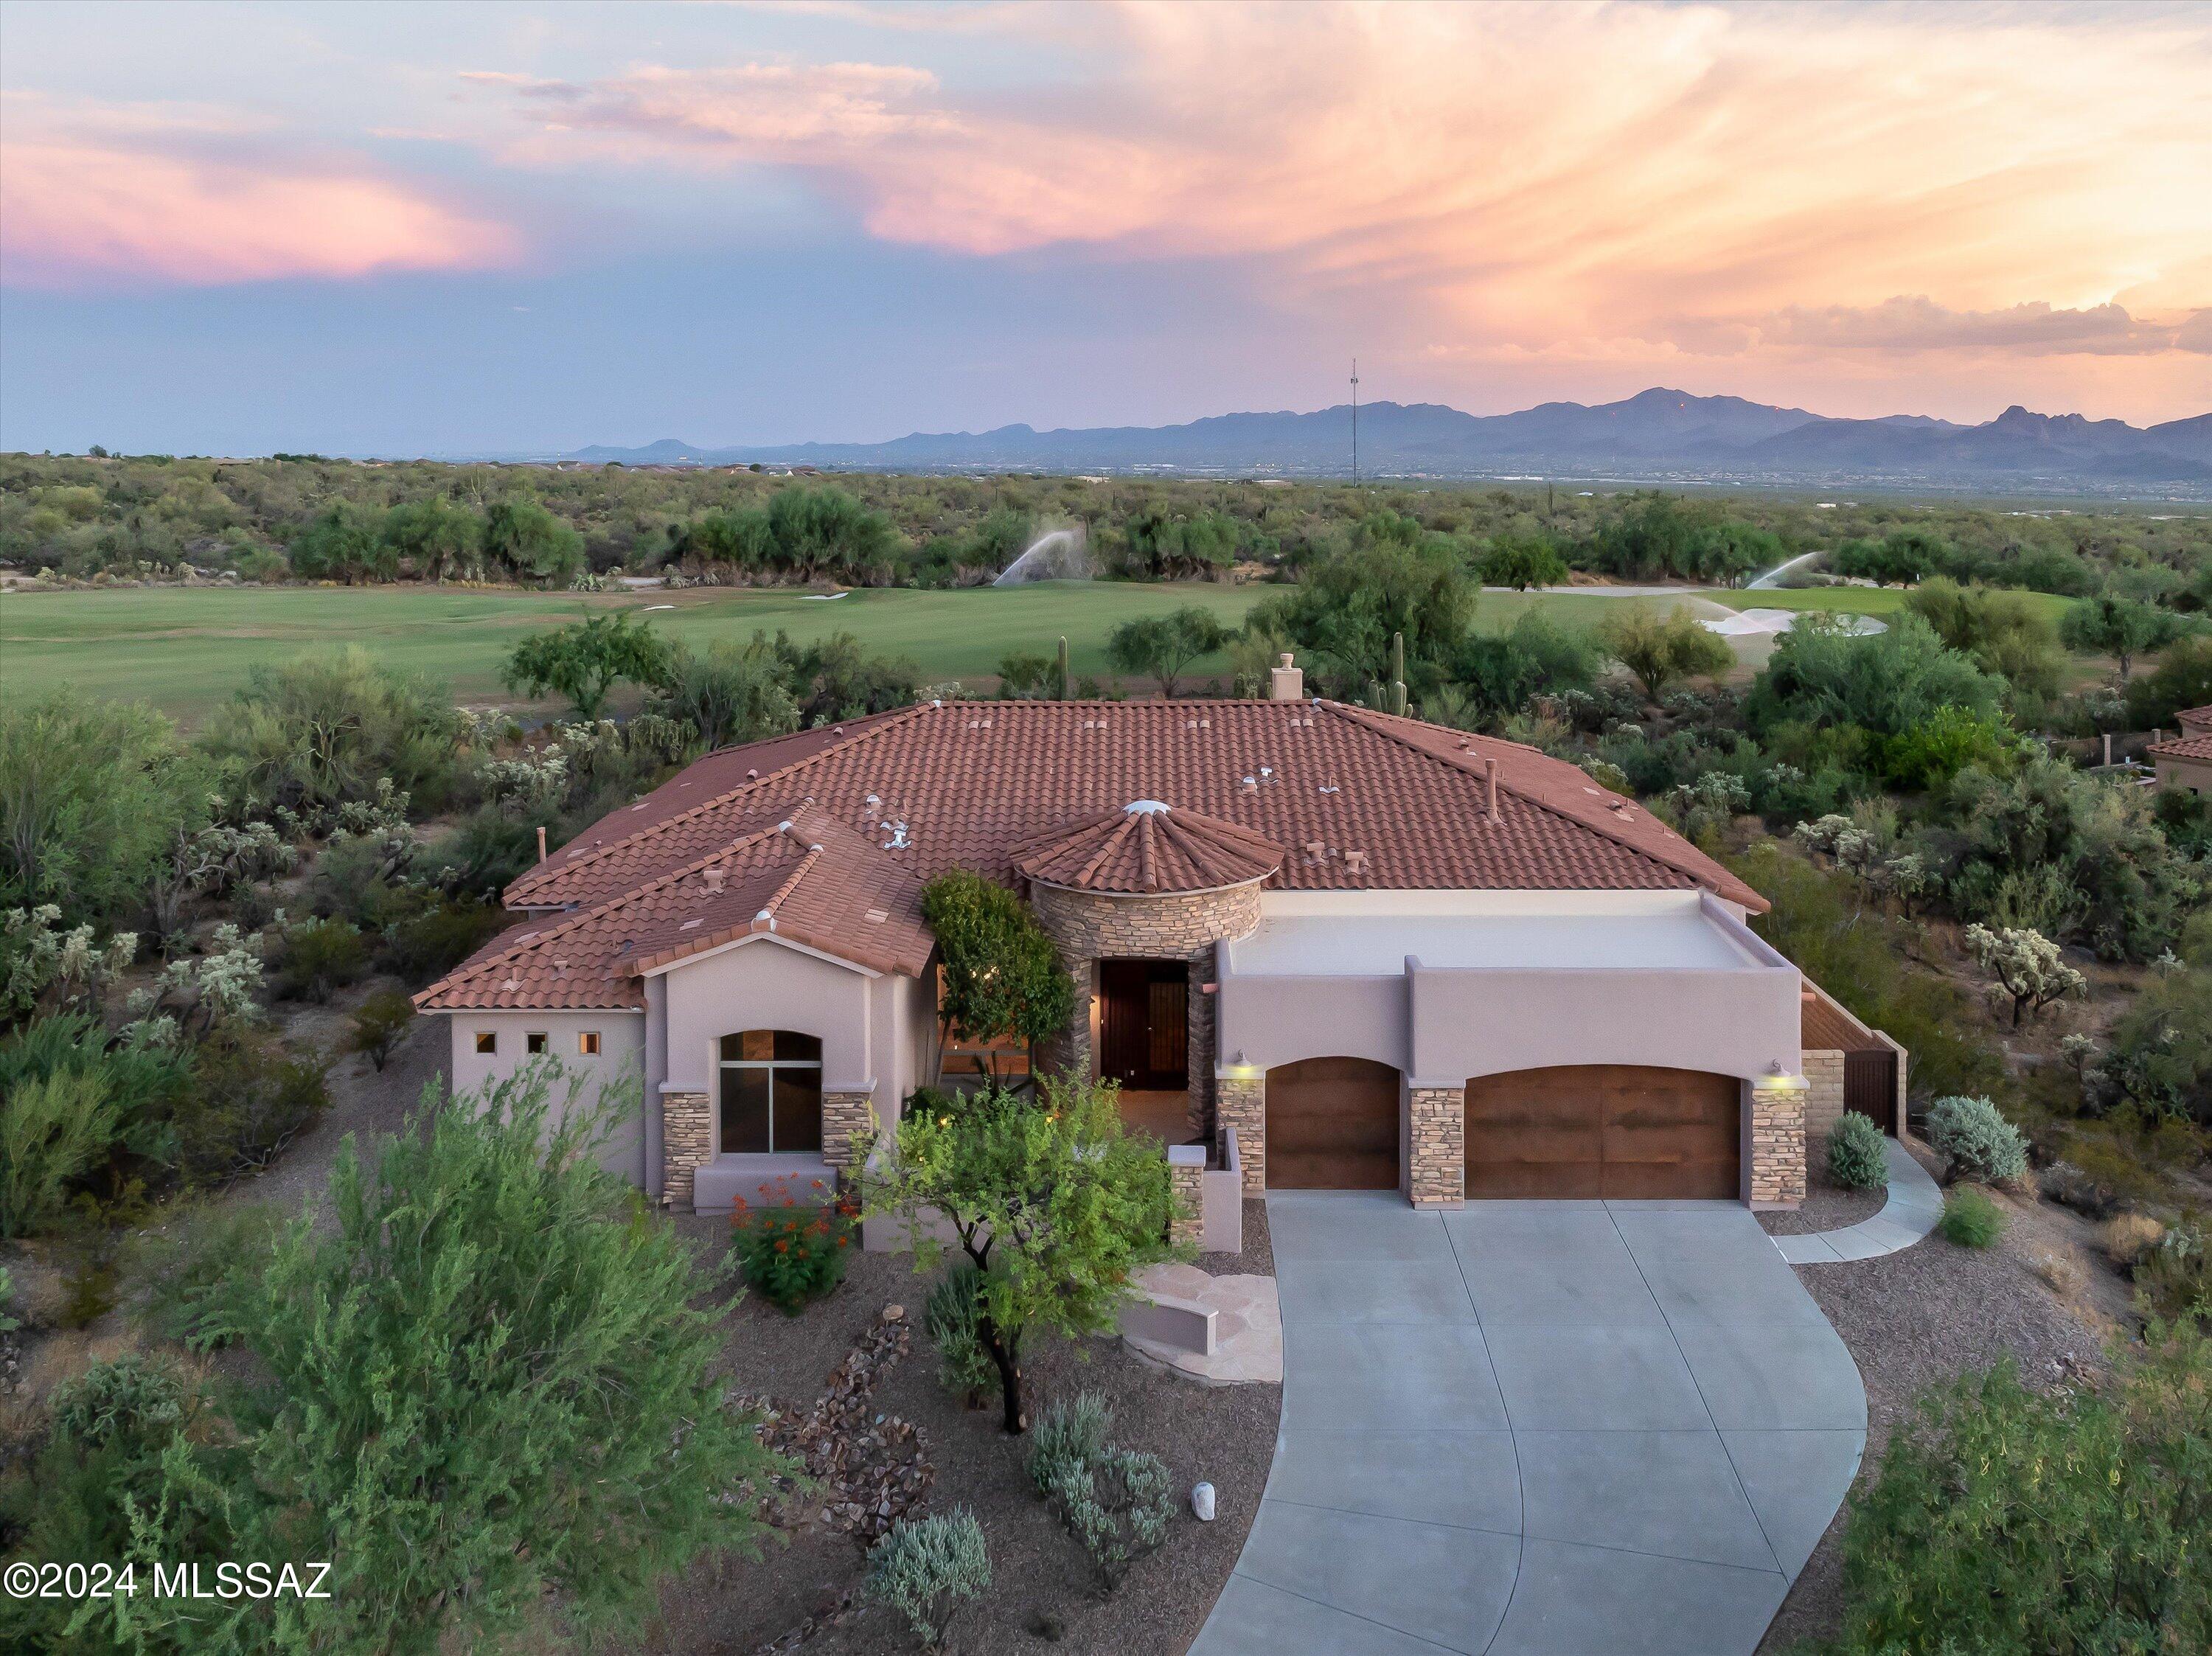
<point>1002,978</point>
<point>1660,649</point>
<point>2068,1520</point>
<point>1050,1201</point>
<point>585,661</point>
<point>488,1388</point>
<point>1163,647</point>
<point>380,1023</point>
<point>2026,965</point>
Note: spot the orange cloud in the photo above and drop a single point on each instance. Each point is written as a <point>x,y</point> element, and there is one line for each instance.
<point>117,202</point>
<point>1539,179</point>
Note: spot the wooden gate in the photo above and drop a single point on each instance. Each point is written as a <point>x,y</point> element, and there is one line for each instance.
<point>1870,1086</point>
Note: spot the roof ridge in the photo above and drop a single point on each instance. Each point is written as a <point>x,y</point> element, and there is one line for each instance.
<point>791,881</point>
<point>569,923</point>
<point>1369,717</point>
<point>690,812</point>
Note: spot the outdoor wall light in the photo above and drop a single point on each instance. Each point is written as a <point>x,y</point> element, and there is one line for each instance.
<point>1779,1078</point>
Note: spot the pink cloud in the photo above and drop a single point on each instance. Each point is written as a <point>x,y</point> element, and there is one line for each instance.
<point>111,204</point>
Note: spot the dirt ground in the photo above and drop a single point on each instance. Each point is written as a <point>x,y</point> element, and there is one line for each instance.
<point>1915,1319</point>
<point>1042,1592</point>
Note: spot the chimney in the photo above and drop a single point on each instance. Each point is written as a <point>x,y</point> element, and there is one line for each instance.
<point>1286,683</point>
<point>541,845</point>
<point>1490,784</point>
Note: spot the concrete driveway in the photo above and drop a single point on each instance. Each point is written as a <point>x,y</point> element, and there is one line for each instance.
<point>1570,1428</point>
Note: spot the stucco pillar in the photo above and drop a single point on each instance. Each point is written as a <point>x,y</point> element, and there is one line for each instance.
<point>1242,1103</point>
<point>1436,1145</point>
<point>687,1144</point>
<point>843,1116</point>
<point>1778,1145</point>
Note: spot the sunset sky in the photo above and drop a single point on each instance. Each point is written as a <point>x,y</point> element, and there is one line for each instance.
<point>424,229</point>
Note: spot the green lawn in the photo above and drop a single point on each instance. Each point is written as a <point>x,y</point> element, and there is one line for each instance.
<point>186,649</point>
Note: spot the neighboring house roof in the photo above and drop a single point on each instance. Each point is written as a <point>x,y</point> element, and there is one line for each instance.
<point>807,880</point>
<point>2195,718</point>
<point>1147,846</point>
<point>962,783</point>
<point>2184,747</point>
<point>826,837</point>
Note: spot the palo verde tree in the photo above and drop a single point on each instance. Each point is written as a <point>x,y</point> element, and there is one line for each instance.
<point>2112,624</point>
<point>1002,980</point>
<point>1521,561</point>
<point>1054,1204</point>
<point>1659,649</point>
<point>489,1388</point>
<point>585,661</point>
<point>1163,647</point>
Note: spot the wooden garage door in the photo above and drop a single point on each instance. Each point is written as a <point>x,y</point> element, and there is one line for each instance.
<point>1603,1130</point>
<point>1332,1125</point>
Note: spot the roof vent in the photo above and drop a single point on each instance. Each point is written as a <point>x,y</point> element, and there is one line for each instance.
<point>1250,787</point>
<point>1314,850</point>
<point>876,916</point>
<point>1286,683</point>
<point>1146,808</point>
<point>1355,862</point>
<point>752,776</point>
<point>688,926</point>
<point>713,877</point>
<point>561,964</point>
<point>1490,785</point>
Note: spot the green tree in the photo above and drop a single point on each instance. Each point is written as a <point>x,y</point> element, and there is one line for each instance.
<point>819,533</point>
<point>1344,612</point>
<point>585,661</point>
<point>2003,631</point>
<point>2121,628</point>
<point>1887,683</point>
<point>1944,744</point>
<point>93,795</point>
<point>489,1384</point>
<point>1898,559</point>
<point>341,544</point>
<point>1165,647</point>
<point>1002,980</point>
<point>1050,1200</point>
<point>1498,675</point>
<point>531,543</point>
<point>1521,561</point>
<point>2182,679</point>
<point>324,729</point>
<point>1659,648</point>
<point>2161,1057</point>
<point>731,694</point>
<point>435,536</point>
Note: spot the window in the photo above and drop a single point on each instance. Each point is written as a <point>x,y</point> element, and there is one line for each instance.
<point>487,1041</point>
<point>771,1092</point>
<point>587,1042</point>
<point>534,1042</point>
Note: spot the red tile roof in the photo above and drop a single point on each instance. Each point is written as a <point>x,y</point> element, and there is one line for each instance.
<point>808,880</point>
<point>2184,747</point>
<point>1148,845</point>
<point>1316,794</point>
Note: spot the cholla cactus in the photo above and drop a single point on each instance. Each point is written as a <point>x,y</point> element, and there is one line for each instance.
<point>2080,1051</point>
<point>40,961</point>
<point>2026,967</point>
<point>222,986</point>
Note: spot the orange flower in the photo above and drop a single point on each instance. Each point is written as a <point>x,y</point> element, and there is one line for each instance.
<point>783,1248</point>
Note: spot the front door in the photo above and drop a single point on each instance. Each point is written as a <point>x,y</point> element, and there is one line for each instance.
<point>1144,1010</point>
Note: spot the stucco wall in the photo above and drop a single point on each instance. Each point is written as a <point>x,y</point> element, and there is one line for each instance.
<point>765,985</point>
<point>2191,775</point>
<point>621,1041</point>
<point>1277,1021</point>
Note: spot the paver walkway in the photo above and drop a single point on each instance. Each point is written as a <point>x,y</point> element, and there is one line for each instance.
<point>1522,1428</point>
<point>1915,1204</point>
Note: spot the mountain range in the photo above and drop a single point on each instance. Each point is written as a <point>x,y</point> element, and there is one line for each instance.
<point>1656,435</point>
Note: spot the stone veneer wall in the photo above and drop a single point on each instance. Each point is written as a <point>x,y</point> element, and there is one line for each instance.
<point>1777,1147</point>
<point>1243,1104</point>
<point>843,1115</point>
<point>1824,1102</point>
<point>1188,1193</point>
<point>687,1144</point>
<point>1185,926</point>
<point>1436,1154</point>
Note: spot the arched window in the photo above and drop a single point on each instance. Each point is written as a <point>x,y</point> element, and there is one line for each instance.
<point>771,1092</point>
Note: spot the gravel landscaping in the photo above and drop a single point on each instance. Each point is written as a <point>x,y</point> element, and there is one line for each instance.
<point>1827,1207</point>
<point>1042,1592</point>
<point>1914,1318</point>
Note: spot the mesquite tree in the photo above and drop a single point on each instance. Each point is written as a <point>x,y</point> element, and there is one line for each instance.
<point>1002,979</point>
<point>1049,1199</point>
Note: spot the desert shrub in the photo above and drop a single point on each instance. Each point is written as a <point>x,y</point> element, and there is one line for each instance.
<point>379,1024</point>
<point>2126,1237</point>
<point>1970,1218</point>
<point>252,1096</point>
<point>2061,1273</point>
<point>1116,1501</point>
<point>1992,1487</point>
<point>792,1255</point>
<point>128,1396</point>
<point>2161,1056</point>
<point>431,943</point>
<point>201,1269</point>
<point>1858,1157</point>
<point>950,1317</point>
<point>2174,1278</point>
<point>8,1322</point>
<point>1975,1140</point>
<point>489,1387</point>
<point>320,956</point>
<point>53,1131</point>
<point>926,1569</point>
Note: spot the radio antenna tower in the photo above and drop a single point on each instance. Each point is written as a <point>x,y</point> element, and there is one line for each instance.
<point>1355,420</point>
